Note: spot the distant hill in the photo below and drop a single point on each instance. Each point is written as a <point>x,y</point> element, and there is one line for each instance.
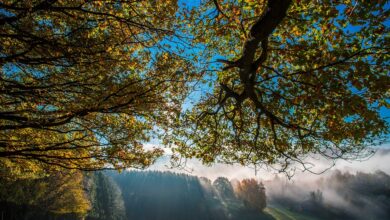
<point>169,196</point>
<point>153,195</point>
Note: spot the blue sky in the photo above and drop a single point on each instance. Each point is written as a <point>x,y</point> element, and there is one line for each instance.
<point>384,112</point>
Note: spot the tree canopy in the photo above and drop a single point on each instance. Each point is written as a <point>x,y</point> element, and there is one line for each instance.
<point>84,84</point>
<point>60,193</point>
<point>252,193</point>
<point>298,78</point>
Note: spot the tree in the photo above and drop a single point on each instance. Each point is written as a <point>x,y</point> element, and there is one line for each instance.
<point>297,78</point>
<point>316,197</point>
<point>61,193</point>
<point>83,84</point>
<point>106,198</point>
<point>252,193</point>
<point>224,188</point>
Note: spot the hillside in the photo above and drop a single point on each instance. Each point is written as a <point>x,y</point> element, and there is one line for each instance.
<point>154,195</point>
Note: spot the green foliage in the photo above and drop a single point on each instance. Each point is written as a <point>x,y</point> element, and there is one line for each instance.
<point>106,198</point>
<point>169,196</point>
<point>298,78</point>
<point>83,83</point>
<point>224,188</point>
<point>60,193</point>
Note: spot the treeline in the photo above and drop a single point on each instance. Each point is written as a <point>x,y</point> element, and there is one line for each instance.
<point>338,196</point>
<point>132,195</point>
<point>166,195</point>
<point>66,195</point>
<point>156,195</point>
<point>60,195</point>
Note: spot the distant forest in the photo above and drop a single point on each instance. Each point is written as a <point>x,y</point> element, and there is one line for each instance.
<point>339,195</point>
<point>153,195</point>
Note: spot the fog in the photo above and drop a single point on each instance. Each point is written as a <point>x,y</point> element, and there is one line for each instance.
<point>349,190</point>
<point>355,189</point>
<point>358,195</point>
<point>379,161</point>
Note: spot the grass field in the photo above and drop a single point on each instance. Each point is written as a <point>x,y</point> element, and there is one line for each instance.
<point>280,213</point>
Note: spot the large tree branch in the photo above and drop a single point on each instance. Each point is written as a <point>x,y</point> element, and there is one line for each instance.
<point>261,30</point>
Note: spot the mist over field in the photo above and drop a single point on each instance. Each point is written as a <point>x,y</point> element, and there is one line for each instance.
<point>218,193</point>
<point>335,195</point>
